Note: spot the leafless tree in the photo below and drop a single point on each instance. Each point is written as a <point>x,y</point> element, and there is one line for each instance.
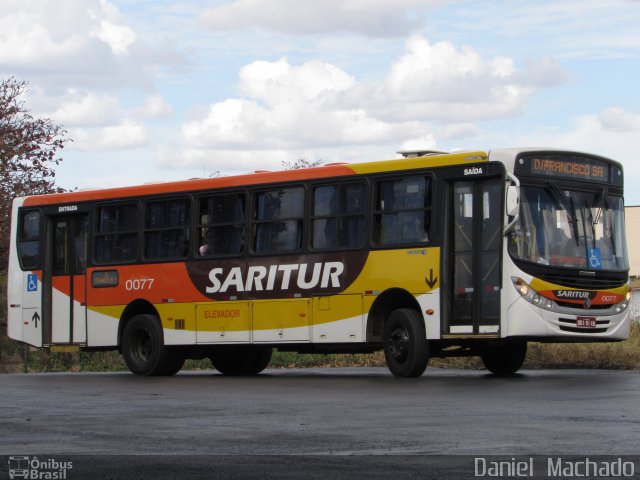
<point>301,163</point>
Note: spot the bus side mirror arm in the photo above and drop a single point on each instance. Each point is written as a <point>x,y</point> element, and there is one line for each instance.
<point>512,202</point>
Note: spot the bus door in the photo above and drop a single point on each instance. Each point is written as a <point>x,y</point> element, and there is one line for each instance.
<point>474,263</point>
<point>65,289</point>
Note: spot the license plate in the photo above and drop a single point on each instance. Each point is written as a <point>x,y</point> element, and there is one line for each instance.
<point>586,322</point>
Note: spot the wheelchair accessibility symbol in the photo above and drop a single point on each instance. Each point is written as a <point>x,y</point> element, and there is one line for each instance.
<point>595,258</point>
<point>32,282</point>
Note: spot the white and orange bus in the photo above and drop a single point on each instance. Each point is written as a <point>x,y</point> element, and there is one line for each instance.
<point>435,254</point>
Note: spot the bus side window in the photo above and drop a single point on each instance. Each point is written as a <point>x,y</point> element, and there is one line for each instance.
<point>338,216</point>
<point>402,213</point>
<point>325,228</point>
<point>29,240</point>
<point>166,234</point>
<point>221,225</point>
<point>116,238</point>
<point>278,220</point>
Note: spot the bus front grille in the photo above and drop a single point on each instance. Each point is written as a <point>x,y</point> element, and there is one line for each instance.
<point>590,283</point>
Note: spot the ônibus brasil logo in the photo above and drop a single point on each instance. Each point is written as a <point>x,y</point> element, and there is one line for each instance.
<point>33,468</point>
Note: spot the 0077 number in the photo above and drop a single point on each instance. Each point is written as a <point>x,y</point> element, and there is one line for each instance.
<point>139,284</point>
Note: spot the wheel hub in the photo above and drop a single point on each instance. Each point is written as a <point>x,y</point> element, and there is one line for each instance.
<point>143,345</point>
<point>399,343</point>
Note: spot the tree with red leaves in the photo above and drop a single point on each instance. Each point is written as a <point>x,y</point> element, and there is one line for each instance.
<point>28,154</point>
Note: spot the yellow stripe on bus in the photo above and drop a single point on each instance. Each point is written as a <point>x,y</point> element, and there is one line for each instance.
<point>444,160</point>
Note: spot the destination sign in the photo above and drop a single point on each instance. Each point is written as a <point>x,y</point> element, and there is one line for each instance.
<point>585,170</point>
<point>572,167</point>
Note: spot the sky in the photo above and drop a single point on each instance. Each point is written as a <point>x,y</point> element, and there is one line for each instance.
<point>160,90</point>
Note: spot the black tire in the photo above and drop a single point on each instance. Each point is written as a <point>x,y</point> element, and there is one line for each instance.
<point>241,360</point>
<point>174,362</point>
<point>506,359</point>
<point>144,351</point>
<point>405,343</point>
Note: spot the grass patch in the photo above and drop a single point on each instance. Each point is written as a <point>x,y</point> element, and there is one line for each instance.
<point>12,356</point>
<point>621,355</point>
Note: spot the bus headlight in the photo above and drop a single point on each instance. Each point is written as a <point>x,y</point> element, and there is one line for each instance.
<point>530,295</point>
<point>622,306</point>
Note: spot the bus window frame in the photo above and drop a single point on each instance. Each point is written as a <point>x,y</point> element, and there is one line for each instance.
<point>143,229</point>
<point>197,225</point>
<point>138,231</point>
<point>374,211</point>
<point>310,217</point>
<point>22,213</point>
<point>253,222</point>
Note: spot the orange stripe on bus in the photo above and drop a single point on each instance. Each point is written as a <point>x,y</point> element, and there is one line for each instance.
<point>191,185</point>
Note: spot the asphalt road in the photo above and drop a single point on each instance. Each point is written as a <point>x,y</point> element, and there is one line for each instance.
<point>349,423</point>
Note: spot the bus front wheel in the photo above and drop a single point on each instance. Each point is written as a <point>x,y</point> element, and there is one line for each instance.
<point>241,360</point>
<point>405,343</point>
<point>144,351</point>
<point>506,359</point>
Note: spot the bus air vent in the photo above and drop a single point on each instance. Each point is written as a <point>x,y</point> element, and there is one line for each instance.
<point>420,153</point>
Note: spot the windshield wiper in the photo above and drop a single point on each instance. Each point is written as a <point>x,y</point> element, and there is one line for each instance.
<point>594,222</point>
<point>568,207</point>
<point>599,203</point>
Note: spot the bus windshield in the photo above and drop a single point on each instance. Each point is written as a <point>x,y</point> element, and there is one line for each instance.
<point>569,228</point>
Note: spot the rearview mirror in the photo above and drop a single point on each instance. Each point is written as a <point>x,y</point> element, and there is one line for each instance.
<point>513,200</point>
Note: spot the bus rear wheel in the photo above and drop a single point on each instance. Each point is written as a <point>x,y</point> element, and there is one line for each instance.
<point>144,351</point>
<point>405,343</point>
<point>506,359</point>
<point>241,360</point>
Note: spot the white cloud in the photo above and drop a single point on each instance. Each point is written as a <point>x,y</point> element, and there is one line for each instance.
<point>43,31</point>
<point>109,28</point>
<point>126,135</point>
<point>87,110</point>
<point>100,123</point>
<point>442,82</point>
<point>441,72</point>
<point>433,91</point>
<point>458,130</point>
<point>26,39</point>
<point>289,107</point>
<point>424,142</point>
<point>154,107</point>
<point>75,43</point>
<point>228,124</point>
<point>85,65</point>
<point>544,72</point>
<point>245,125</point>
<point>279,82</point>
<point>119,37</point>
<point>379,18</point>
<point>617,119</point>
<point>227,161</point>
